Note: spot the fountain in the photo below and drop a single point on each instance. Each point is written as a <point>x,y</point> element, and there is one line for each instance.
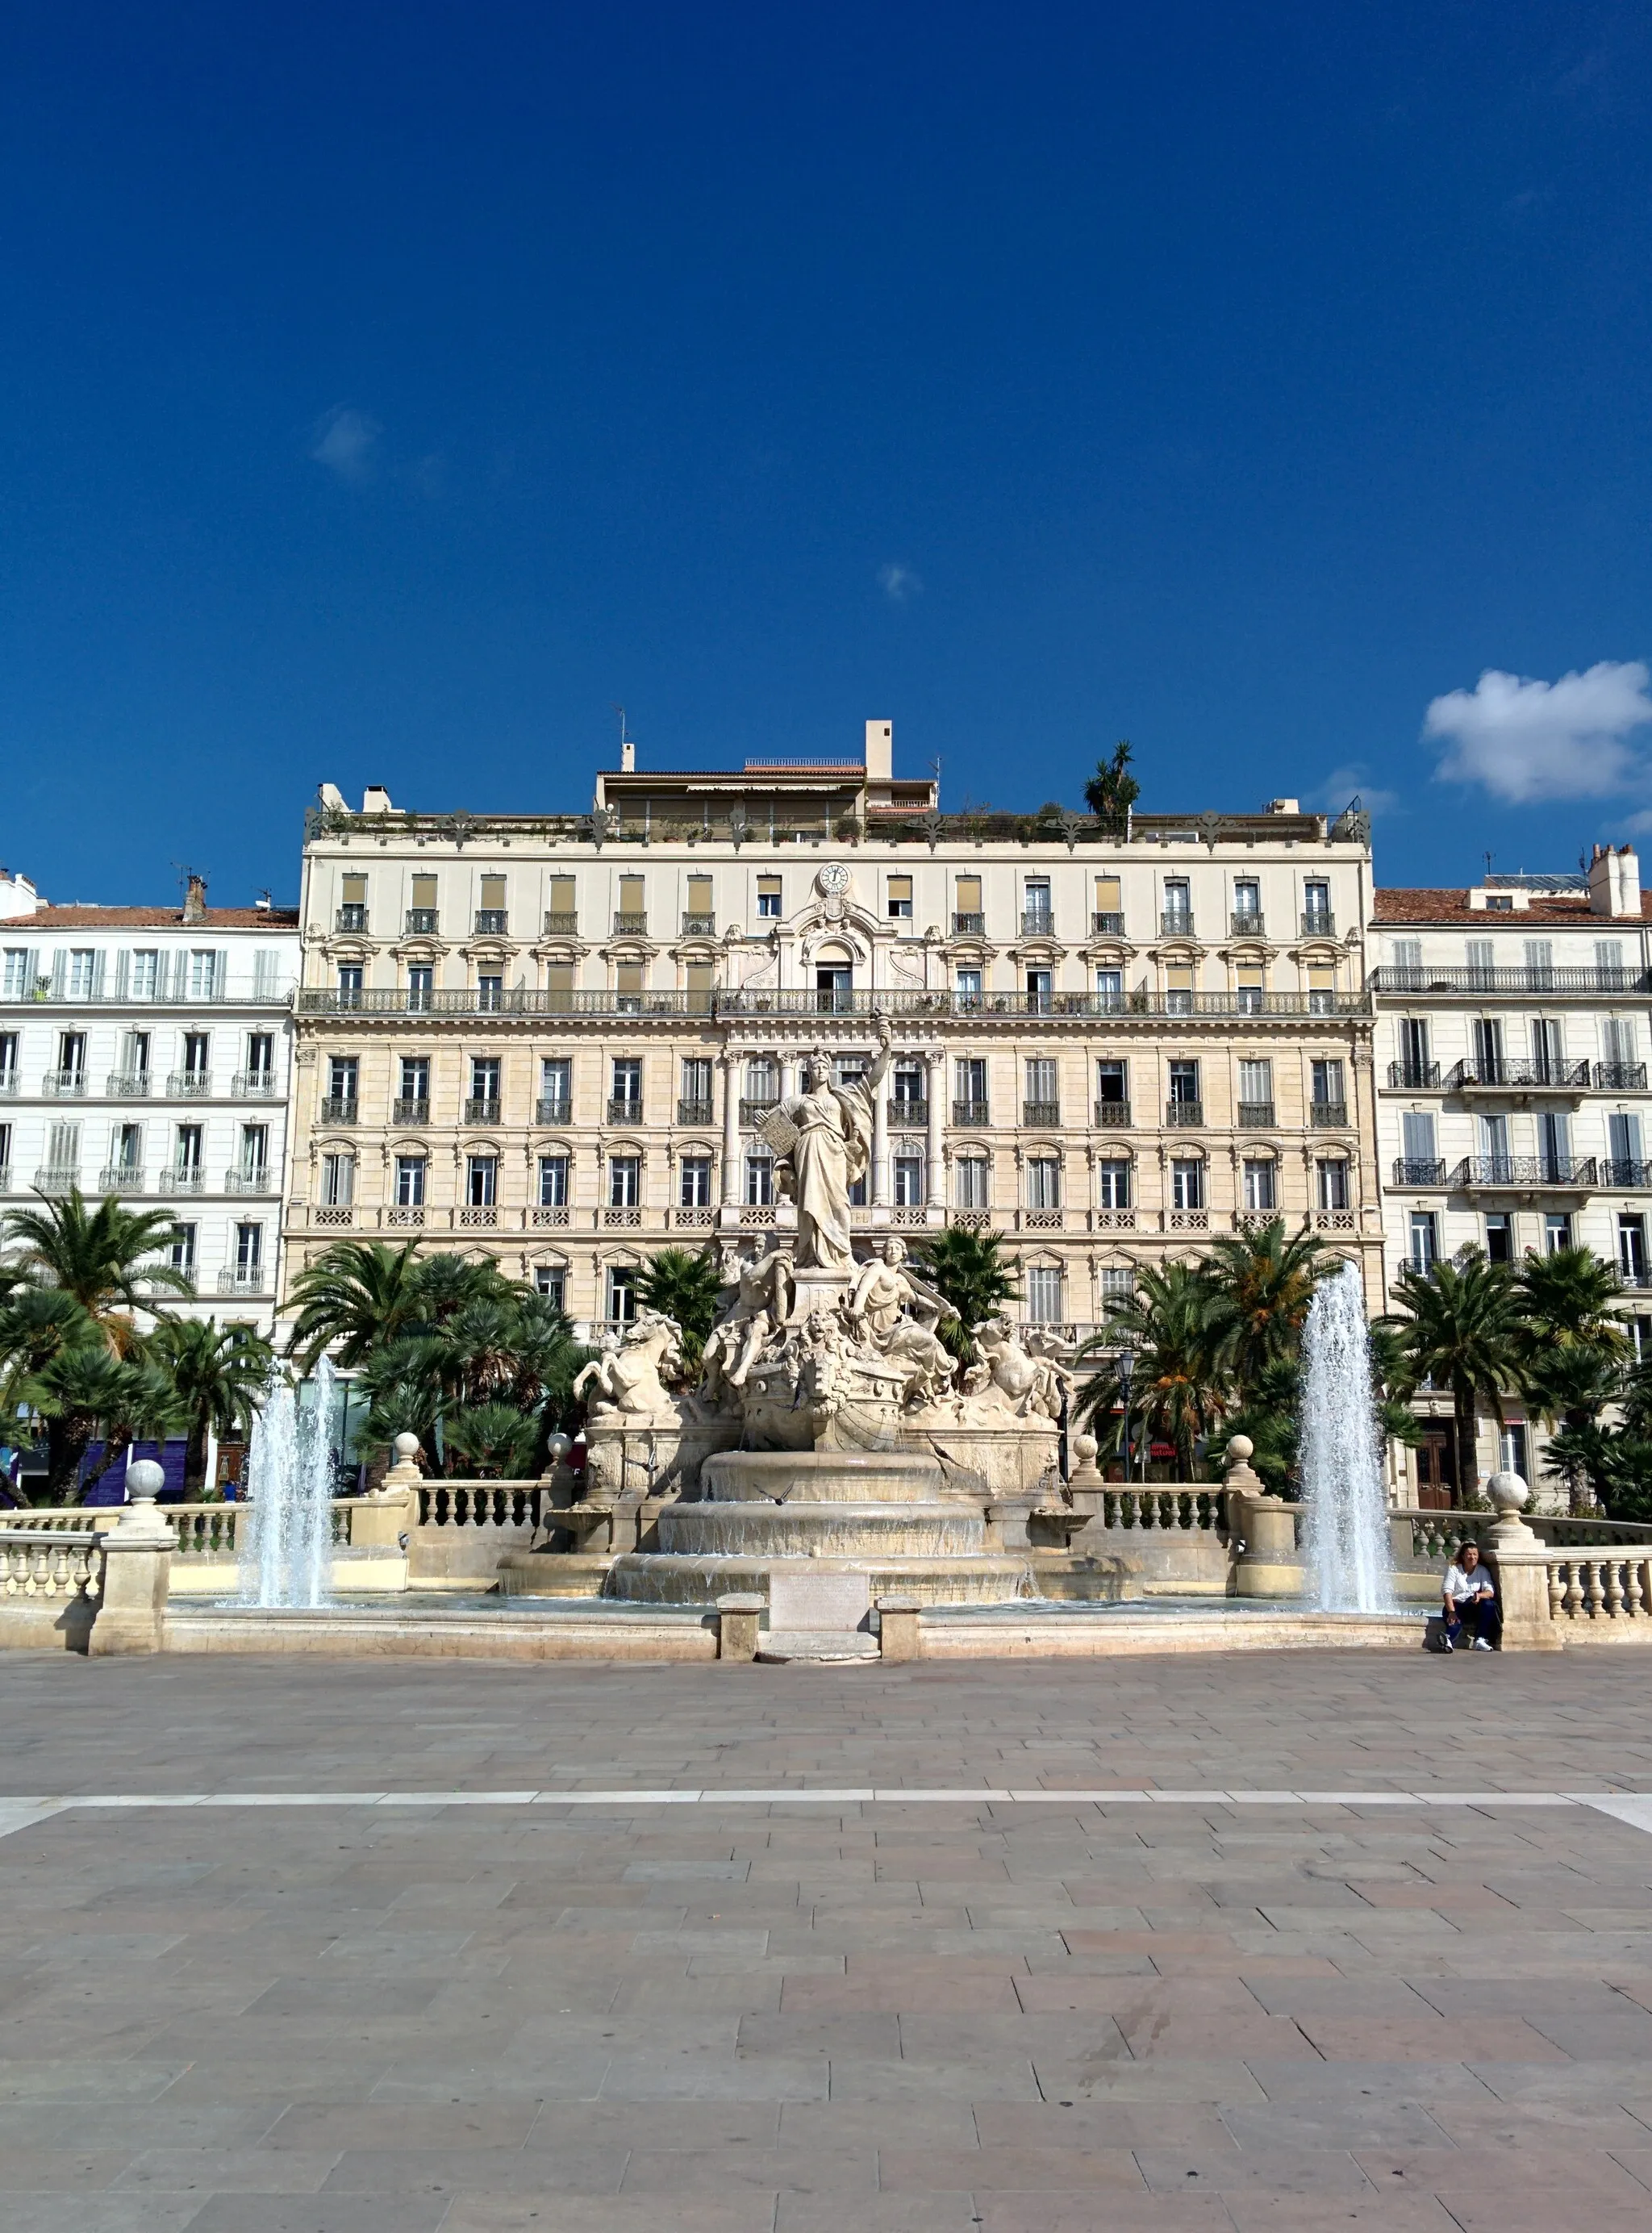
<point>286,1540</point>
<point>1342,1468</point>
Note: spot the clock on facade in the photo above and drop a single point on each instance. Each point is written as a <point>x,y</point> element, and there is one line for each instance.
<point>832,879</point>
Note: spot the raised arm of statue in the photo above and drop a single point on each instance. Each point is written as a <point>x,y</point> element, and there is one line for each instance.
<point>881,1060</point>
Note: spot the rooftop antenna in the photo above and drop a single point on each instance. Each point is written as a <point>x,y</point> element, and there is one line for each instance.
<point>627,745</point>
<point>1488,868</point>
<point>934,770</point>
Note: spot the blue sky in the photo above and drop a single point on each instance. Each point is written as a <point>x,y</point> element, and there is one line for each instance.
<point>386,391</point>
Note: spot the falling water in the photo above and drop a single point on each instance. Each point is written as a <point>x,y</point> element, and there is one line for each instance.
<point>1341,1465</point>
<point>286,1555</point>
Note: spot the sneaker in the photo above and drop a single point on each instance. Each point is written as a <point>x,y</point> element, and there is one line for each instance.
<point>1480,1645</point>
<point>1450,1646</point>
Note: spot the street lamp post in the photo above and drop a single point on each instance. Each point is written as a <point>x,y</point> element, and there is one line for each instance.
<point>1124,1365</point>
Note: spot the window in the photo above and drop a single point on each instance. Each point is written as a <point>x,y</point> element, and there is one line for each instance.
<point>1178,904</point>
<point>696,1087</point>
<point>759,1180</point>
<point>1322,989</point>
<point>481,1181</point>
<point>71,1054</point>
<point>349,984</point>
<point>17,972</point>
<point>909,1181</point>
<point>1623,1148</point>
<point>698,912</point>
<point>1037,903</point>
<point>1248,987</point>
<point>898,904</point>
<point>1184,1084</point>
<point>249,1251</point>
<point>1414,1051</point>
<point>1044,1183</point>
<point>1511,1448</point>
<point>82,972</point>
<point>180,1252</point>
<point>768,896</point>
<point>622,1293</point>
<point>1494,1149</point>
<point>206,976</point>
<point>1247,902</point>
<point>1539,962</point>
<point>1112,1082</point>
<point>8,1059</point>
<point>491,914</point>
<point>1109,906</point>
<point>762,1079</point>
<point>353,903</point>
<point>1043,1091</point>
<point>1618,1038</point>
<point>555,1089</point>
<point>627,987</point>
<point>910,1088</point>
<point>1631,1249</point>
<point>625,1181</point>
<point>490,992</point>
<point>1332,1176</point>
<point>261,1056</point>
<point>5,1154</point>
<point>1482,957</point>
<point>127,1147</point>
<point>1178,988</point>
<point>63,1147</point>
<point>1556,1231</point>
<point>1256,1087</point>
<point>1316,905</point>
<point>551,1280</point>
<point>1499,903</point>
<point>561,905</point>
<point>1548,1052</point>
<point>834,982</point>
<point>1261,1189</point>
<point>1328,1091</point>
<point>968,986</point>
<point>415,1077</point>
<point>484,1088</point>
<point>628,1081</point>
<point>1499,1237</point>
<point>974,1191</point>
<point>559,985</point>
<point>338,1181</point>
<point>1186,1182</point>
<point>1118,1287</point>
<point>1488,1048</point>
<point>197,1055</point>
<point>1425,1240</point>
<point>422,901</point>
<point>699,982</point>
<point>1554,1143</point>
<point>421,985</point>
<point>1110,989</point>
<point>1113,1183</point>
<point>553,1181</point>
<point>186,1152</point>
<point>633,906</point>
<point>255,1150</point>
<point>342,1072</point>
<point>970,1074</point>
<point>410,1181</point>
<point>1418,1152</point>
<point>1043,1294</point>
<point>694,1183</point>
<point>1040,985</point>
<point>968,918</point>
<point>1608,959</point>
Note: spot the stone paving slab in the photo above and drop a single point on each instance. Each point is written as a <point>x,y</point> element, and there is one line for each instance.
<point>476,2000</point>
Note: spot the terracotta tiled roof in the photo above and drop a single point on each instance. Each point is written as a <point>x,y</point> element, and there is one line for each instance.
<point>1451,906</point>
<point>151,918</point>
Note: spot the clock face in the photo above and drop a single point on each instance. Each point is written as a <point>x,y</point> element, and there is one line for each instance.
<point>834,878</point>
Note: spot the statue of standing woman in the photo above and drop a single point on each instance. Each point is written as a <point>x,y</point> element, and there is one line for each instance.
<point>823,1143</point>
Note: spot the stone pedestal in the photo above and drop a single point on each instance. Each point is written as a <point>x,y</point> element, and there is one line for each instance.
<point>898,1619</point>
<point>1268,1565</point>
<point>1519,1564</point>
<point>137,1578</point>
<point>738,1620</point>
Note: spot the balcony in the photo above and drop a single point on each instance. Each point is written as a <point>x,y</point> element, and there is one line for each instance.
<point>1105,924</point>
<point>57,1178</point>
<point>421,923</point>
<point>1502,1076</point>
<point>1418,1171</point>
<point>553,1112</point>
<point>492,922</point>
<point>696,925</point>
<point>1246,925</point>
<point>63,1084</point>
<point>120,1178</point>
<point>351,917</point>
<point>189,1085</point>
<point>561,922</point>
<point>1319,923</point>
<point>250,1281</point>
<point>1626,1177</point>
<point>1559,980</point>
<point>1254,1113</point>
<point>339,1108</point>
<point>622,1111</point>
<point>753,1112</point>
<point>693,1112</point>
<point>1415,1077</point>
<point>725,1001</point>
<point>1175,923</point>
<point>1044,1114</point>
<point>909,1113</point>
<point>253,1084</point>
<point>250,1178</point>
<point>628,924</point>
<point>5,1178</point>
<point>1330,1114</point>
<point>9,1081</point>
<point>1620,1078</point>
<point>1112,1115</point>
<point>1184,1112</point>
<point>969,926</point>
<point>482,1109</point>
<point>971,1112</point>
<point>412,1110</point>
<point>187,1178</point>
<point>1535,1174</point>
<point>128,1085</point>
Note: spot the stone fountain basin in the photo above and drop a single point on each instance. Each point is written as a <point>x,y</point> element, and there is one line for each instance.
<point>821,1477</point>
<point>657,1577</point>
<point>797,1530</point>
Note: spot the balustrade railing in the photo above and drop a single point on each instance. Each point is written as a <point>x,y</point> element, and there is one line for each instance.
<point>482,1503</point>
<point>1616,1587</point>
<point>1186,1510</point>
<point>51,1562</point>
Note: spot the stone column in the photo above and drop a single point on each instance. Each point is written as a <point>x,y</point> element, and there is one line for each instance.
<point>1267,1565</point>
<point>392,1509</point>
<point>728,1061</point>
<point>880,1150</point>
<point>1520,1562</point>
<point>738,1621</point>
<point>934,1155</point>
<point>137,1570</point>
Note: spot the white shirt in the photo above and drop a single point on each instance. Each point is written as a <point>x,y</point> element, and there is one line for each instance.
<point>1460,1585</point>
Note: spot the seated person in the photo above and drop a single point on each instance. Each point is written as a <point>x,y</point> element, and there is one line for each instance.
<point>1469,1597</point>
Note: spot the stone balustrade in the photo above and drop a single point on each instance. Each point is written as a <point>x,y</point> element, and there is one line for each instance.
<point>51,1563</point>
<point>1191,1509</point>
<point>1616,1586</point>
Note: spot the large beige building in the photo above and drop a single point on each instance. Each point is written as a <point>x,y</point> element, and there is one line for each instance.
<point>553,1036</point>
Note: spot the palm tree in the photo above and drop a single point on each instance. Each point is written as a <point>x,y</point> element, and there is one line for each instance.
<point>81,1387</point>
<point>1181,1383</point>
<point>1465,1331</point>
<point>967,1271</point>
<point>105,1258</point>
<point>1263,1284</point>
<point>359,1293</point>
<point>444,1284</point>
<point>219,1374</point>
<point>1568,1298</point>
<point>495,1439</point>
<point>1112,791</point>
<point>685,1286</point>
<point>143,1406</point>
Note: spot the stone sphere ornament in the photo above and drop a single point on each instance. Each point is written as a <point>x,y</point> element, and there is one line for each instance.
<point>557,1449</point>
<point>145,1481</point>
<point>1240,1449</point>
<point>1084,1448</point>
<point>406,1446</point>
<point>1508,1492</point>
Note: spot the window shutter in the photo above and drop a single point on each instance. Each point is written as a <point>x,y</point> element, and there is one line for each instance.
<point>1108,900</point>
<point>628,977</point>
<point>221,973</point>
<point>122,973</point>
<point>60,972</point>
<point>99,962</point>
<point>559,984</point>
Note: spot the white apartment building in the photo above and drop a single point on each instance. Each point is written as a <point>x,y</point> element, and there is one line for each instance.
<point>146,1052</point>
<point>1512,1109</point>
<point>554,1036</point>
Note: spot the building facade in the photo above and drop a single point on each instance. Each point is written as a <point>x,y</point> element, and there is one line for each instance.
<point>554,1036</point>
<point>145,1052</point>
<point>1513,1108</point>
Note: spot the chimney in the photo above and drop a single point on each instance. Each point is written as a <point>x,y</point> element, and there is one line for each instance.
<point>627,756</point>
<point>195,898</point>
<point>375,799</point>
<point>1615,882</point>
<point>17,896</point>
<point>1283,806</point>
<point>880,751</point>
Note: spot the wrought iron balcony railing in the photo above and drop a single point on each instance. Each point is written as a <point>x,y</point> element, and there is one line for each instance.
<point>1631,1176</point>
<point>1044,1114</point>
<point>1104,923</point>
<point>1419,1171</point>
<point>339,1108</point>
<point>411,1108</point>
<point>352,916</point>
<point>492,922</point>
<point>696,925</point>
<point>622,1111</point>
<point>186,1178</point>
<point>1112,1115</point>
<point>1254,1113</point>
<point>1246,925</point>
<point>553,1112</point>
<point>253,1084</point>
<point>120,1178</point>
<point>249,1178</point>
<point>1563,1174</point>
<point>63,1084</point>
<point>753,1110</point>
<point>1416,1076</point>
<point>693,1112</point>
<point>1561,979</point>
<point>1175,923</point>
<point>1037,922</point>
<point>1620,1078</point>
<point>189,1085</point>
<point>482,1109</point>
<point>628,923</point>
<point>971,1112</point>
<point>421,923</point>
<point>969,925</point>
<point>128,1085</point>
<point>57,1178</point>
<point>1499,1074</point>
<point>1319,922</point>
<point>1184,1112</point>
<point>561,922</point>
<point>238,1281</point>
<point>1329,1114</point>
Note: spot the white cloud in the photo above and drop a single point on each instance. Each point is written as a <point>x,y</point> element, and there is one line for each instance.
<point>343,442</point>
<point>1343,783</point>
<point>1524,741</point>
<point>899,583</point>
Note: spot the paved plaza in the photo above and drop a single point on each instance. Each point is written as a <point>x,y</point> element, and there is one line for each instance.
<point>623,2010</point>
